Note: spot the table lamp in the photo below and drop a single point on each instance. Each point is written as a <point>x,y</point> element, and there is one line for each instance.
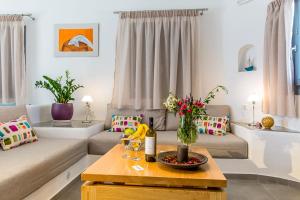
<point>87,100</point>
<point>253,99</point>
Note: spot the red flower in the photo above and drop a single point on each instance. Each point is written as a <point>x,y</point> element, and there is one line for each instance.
<point>183,107</point>
<point>180,103</point>
<point>189,111</point>
<point>201,104</point>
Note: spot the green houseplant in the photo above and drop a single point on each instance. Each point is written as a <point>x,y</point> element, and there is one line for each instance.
<point>63,89</point>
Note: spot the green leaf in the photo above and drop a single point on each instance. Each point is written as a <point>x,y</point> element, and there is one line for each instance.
<point>62,91</point>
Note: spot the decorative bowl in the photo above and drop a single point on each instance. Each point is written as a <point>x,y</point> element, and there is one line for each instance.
<point>267,122</point>
<point>186,166</point>
<point>249,69</point>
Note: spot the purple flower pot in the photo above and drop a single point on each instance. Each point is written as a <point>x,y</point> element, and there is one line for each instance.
<point>62,111</point>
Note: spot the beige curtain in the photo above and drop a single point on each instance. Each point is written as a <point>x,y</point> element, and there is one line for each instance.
<point>155,54</point>
<point>279,96</point>
<point>12,60</point>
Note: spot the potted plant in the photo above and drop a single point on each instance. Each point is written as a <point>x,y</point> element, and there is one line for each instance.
<point>188,110</point>
<point>62,89</point>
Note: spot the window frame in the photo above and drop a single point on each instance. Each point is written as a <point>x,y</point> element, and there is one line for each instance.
<point>7,104</point>
<point>296,47</point>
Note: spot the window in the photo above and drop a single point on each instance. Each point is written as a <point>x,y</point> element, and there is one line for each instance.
<point>7,104</point>
<point>296,46</point>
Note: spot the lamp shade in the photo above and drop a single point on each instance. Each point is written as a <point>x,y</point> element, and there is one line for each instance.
<point>87,99</point>
<point>253,98</point>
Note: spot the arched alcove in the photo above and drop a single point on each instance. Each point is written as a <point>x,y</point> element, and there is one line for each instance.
<point>247,58</point>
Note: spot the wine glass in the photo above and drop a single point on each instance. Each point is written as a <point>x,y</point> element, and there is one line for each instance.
<point>125,142</point>
<point>136,145</point>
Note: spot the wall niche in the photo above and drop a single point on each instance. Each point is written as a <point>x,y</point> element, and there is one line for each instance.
<point>247,58</point>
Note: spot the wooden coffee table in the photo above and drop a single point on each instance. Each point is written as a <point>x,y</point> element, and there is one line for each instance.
<point>113,178</point>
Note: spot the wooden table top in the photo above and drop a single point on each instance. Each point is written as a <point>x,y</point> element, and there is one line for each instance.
<point>113,168</point>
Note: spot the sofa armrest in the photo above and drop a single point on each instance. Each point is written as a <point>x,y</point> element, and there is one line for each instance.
<point>76,131</point>
<point>39,113</point>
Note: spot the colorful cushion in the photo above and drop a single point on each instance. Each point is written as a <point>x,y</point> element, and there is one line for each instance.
<point>16,133</point>
<point>201,128</point>
<point>212,125</point>
<point>120,123</point>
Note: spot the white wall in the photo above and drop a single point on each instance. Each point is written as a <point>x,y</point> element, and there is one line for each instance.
<point>245,25</point>
<point>224,29</point>
<point>95,73</point>
<point>262,146</point>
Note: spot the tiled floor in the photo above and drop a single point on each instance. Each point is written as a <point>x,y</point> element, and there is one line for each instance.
<point>238,189</point>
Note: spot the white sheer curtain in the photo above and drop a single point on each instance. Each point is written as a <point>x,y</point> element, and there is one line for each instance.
<point>12,60</point>
<point>279,96</point>
<point>155,54</point>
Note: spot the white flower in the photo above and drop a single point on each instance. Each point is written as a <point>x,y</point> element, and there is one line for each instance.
<point>171,103</point>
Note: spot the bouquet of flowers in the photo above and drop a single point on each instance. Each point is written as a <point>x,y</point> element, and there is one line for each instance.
<point>189,109</point>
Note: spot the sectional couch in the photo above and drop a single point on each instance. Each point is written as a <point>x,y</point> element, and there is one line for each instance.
<point>228,146</point>
<point>26,168</point>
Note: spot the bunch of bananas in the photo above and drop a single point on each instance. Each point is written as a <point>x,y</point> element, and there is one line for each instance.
<point>140,133</point>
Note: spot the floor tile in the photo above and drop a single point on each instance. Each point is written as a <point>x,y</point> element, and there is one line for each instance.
<point>237,190</point>
<point>282,191</point>
<point>247,190</point>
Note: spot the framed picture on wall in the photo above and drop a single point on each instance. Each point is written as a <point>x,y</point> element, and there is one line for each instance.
<point>76,40</point>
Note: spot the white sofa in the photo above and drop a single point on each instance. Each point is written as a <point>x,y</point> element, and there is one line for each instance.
<point>229,146</point>
<point>27,168</point>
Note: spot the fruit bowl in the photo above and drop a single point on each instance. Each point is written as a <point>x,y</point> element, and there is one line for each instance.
<point>169,159</point>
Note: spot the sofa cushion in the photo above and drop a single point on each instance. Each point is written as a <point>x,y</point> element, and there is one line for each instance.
<point>212,125</point>
<point>101,143</point>
<point>121,123</point>
<point>8,113</point>
<point>158,115</point>
<point>28,167</point>
<point>212,110</point>
<point>172,122</point>
<point>16,133</point>
<point>228,146</point>
<point>218,110</point>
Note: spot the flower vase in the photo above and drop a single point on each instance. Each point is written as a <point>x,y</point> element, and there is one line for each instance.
<point>186,135</point>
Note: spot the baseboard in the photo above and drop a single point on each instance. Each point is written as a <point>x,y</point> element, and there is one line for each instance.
<point>55,185</point>
<point>64,190</point>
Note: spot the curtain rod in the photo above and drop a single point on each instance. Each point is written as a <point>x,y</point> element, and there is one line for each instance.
<point>29,15</point>
<point>199,9</point>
